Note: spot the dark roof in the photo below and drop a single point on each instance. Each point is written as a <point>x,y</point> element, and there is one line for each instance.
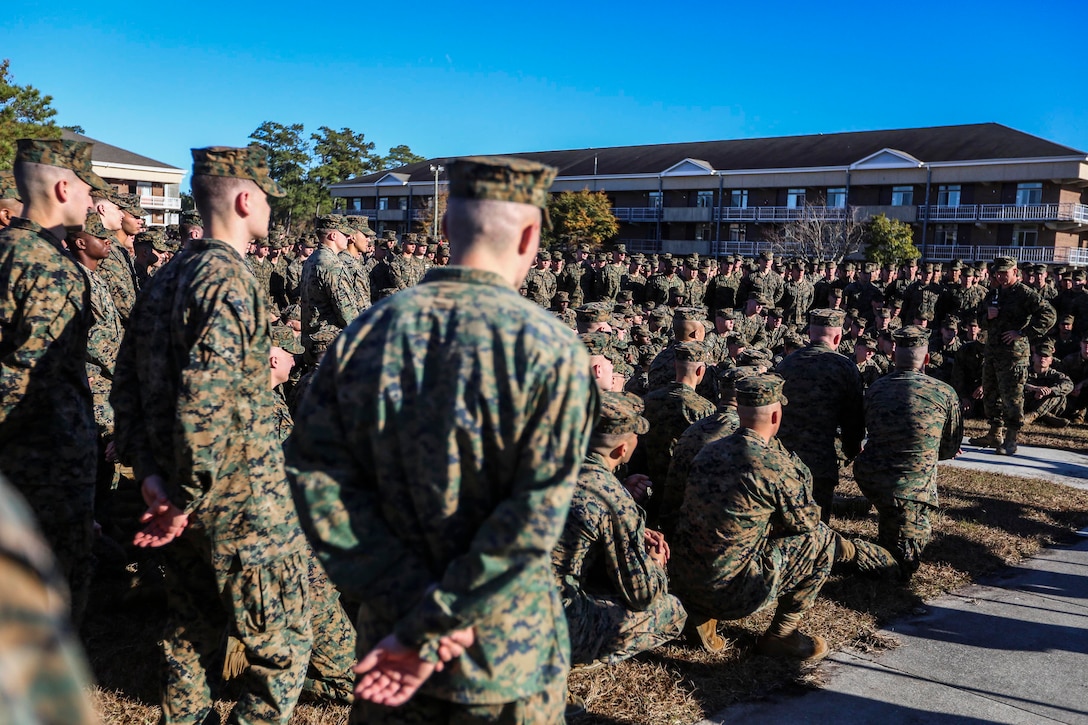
<point>104,153</point>
<point>972,142</point>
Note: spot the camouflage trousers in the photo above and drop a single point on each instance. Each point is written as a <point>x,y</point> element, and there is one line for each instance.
<point>823,493</point>
<point>904,530</point>
<point>266,608</point>
<point>66,519</point>
<point>544,708</point>
<point>1003,378</point>
<point>1036,408</point>
<point>604,629</point>
<point>329,674</point>
<point>790,571</point>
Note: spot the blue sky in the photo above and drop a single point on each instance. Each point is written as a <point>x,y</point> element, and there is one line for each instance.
<point>496,77</point>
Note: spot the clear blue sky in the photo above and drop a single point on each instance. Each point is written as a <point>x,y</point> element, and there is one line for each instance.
<point>161,78</point>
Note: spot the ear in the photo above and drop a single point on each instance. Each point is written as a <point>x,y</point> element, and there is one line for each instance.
<point>776,415</point>
<point>530,237</point>
<point>838,339</point>
<point>60,192</point>
<point>926,363</point>
<point>241,203</point>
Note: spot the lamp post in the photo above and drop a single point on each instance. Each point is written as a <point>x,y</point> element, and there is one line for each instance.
<point>436,170</point>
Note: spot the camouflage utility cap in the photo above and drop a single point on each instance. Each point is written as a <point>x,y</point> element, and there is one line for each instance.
<point>192,218</point>
<point>502,178</point>
<point>93,226</point>
<point>911,336</point>
<point>1004,264</point>
<point>1045,348</point>
<point>361,224</point>
<point>8,189</point>
<point>334,221</point>
<point>694,314</point>
<point>131,204</point>
<point>597,343</point>
<point>250,162</point>
<point>594,312</point>
<point>155,238</point>
<point>74,155</point>
<point>695,352</point>
<point>283,336</point>
<point>621,413</point>
<point>755,391</point>
<point>826,317</point>
<point>753,356</point>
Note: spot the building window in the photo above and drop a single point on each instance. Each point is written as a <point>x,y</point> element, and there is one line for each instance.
<point>143,188</point>
<point>836,197</point>
<point>702,232</point>
<point>738,199</point>
<point>356,204</point>
<point>948,195</point>
<point>795,198</point>
<point>704,199</point>
<point>1029,194</point>
<point>902,195</point>
<point>1025,235</point>
<point>655,200</point>
<point>945,234</point>
<point>738,232</point>
<point>383,203</point>
<point>402,202</point>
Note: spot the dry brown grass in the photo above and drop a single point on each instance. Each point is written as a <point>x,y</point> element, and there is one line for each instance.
<point>986,522</point>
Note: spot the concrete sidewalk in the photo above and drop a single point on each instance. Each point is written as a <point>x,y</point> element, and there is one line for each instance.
<point>1011,649</point>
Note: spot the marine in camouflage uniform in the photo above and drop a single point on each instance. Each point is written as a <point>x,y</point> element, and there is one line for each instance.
<point>913,421</point>
<point>195,419</point>
<point>615,590</point>
<point>1013,315</point>
<point>827,411</point>
<point>43,672</point>
<point>749,532</point>
<point>47,427</point>
<point>118,271</point>
<point>328,300</point>
<point>1046,389</point>
<point>433,461</point>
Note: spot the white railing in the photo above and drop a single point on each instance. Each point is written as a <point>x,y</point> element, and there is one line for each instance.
<point>160,202</point>
<point>744,249</point>
<point>1064,212</point>
<point>637,213</point>
<point>1035,255</point>
<point>780,213</point>
<point>646,246</point>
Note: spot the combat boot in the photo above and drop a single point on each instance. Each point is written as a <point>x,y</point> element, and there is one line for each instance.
<point>704,634</point>
<point>782,639</point>
<point>1008,445</point>
<point>992,439</point>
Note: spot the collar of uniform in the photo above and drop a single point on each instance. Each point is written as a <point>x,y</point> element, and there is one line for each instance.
<point>198,244</point>
<point>454,273</point>
<point>32,226</point>
<point>595,460</point>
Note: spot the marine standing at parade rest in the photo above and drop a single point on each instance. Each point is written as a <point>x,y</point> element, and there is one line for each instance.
<point>47,429</point>
<point>433,460</point>
<point>913,421</point>
<point>195,419</point>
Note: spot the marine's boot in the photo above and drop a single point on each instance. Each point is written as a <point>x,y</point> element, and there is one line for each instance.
<point>857,556</point>
<point>783,639</point>
<point>705,634</point>
<point>992,439</point>
<point>1008,445</point>
<point>1053,421</point>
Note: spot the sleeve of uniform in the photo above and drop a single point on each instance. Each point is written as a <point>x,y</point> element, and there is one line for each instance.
<point>334,279</point>
<point>952,434</point>
<point>636,577</point>
<point>515,542</point>
<point>852,420</point>
<point>797,512</point>
<point>340,515</point>
<point>1043,316</point>
<point>1059,382</point>
<point>208,390</point>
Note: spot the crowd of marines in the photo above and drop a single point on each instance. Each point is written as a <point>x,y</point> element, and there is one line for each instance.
<point>427,476</point>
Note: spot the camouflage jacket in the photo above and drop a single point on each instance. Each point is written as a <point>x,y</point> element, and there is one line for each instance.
<point>193,404</point>
<point>102,342</point>
<point>722,423</point>
<point>47,428</point>
<point>1017,308</point>
<point>357,278</point>
<point>741,492</point>
<point>119,273</point>
<point>434,457</point>
<point>913,421</point>
<point>293,280</point>
<point>327,297</point>
<point>967,370</point>
<point>824,390</point>
<point>602,550</point>
<point>670,411</point>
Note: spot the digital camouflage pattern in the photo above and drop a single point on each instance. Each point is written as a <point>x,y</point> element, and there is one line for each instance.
<point>118,272</point>
<point>8,190</point>
<point>825,397</point>
<point>1051,404</point>
<point>670,411</point>
<point>749,532</point>
<point>44,676</point>
<point>722,423</point>
<point>913,421</point>
<point>103,340</point>
<point>48,437</point>
<point>193,405</point>
<point>248,162</point>
<point>328,303</point>
<point>74,155</point>
<point>615,596</point>
<point>1005,367</point>
<point>500,178</point>
<point>433,460</point>
<point>358,279</point>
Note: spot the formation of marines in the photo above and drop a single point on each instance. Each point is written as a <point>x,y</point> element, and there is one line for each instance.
<point>496,485</point>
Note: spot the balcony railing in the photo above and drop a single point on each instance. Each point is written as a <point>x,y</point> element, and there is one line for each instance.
<point>780,213</point>
<point>1064,212</point>
<point>1035,255</point>
<point>637,213</point>
<point>160,202</point>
